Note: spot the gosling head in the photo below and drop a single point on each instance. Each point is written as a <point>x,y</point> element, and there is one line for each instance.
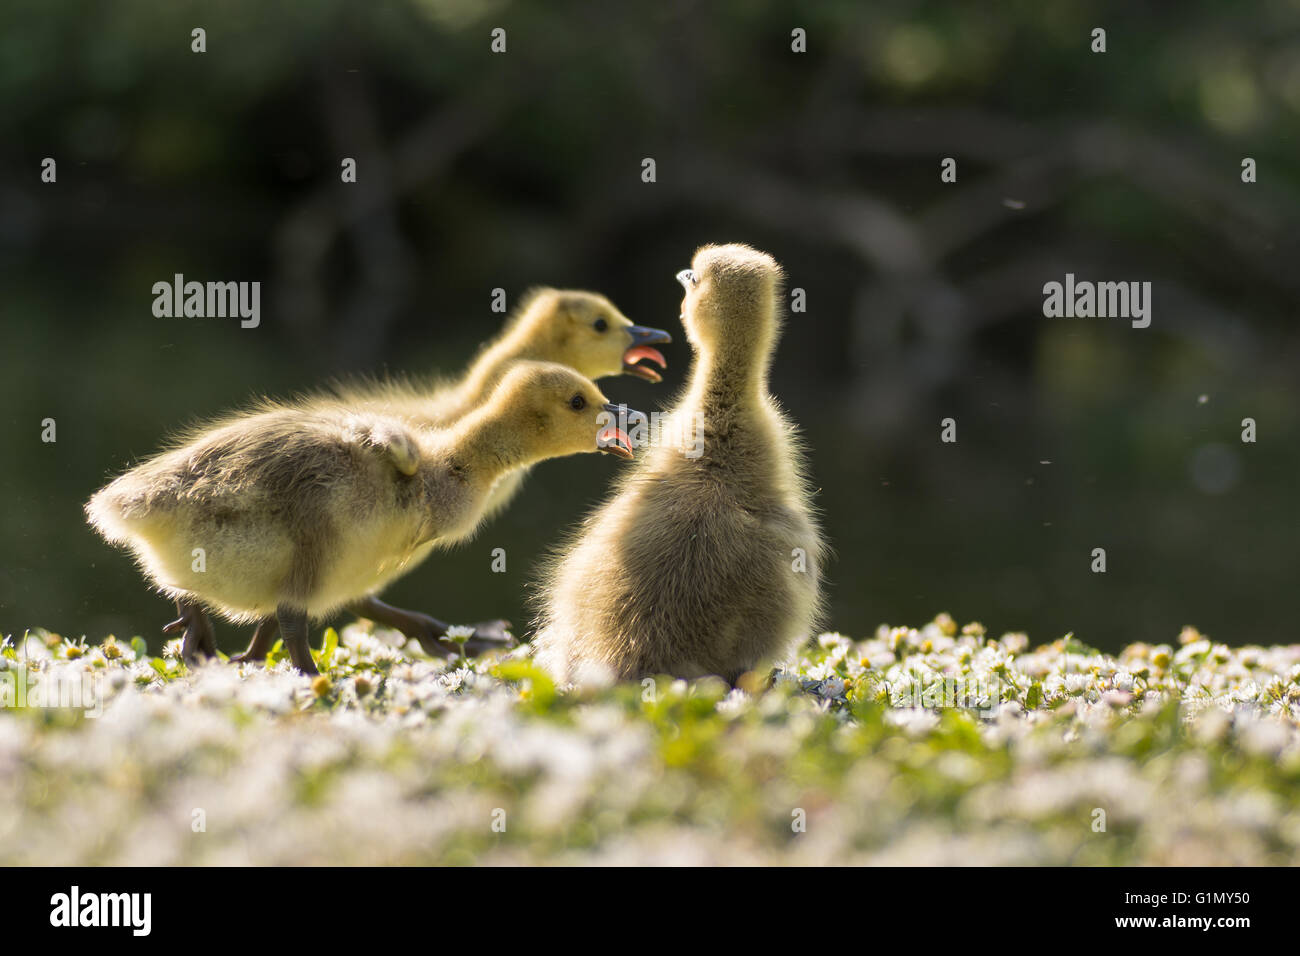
<point>556,411</point>
<point>585,331</point>
<point>730,299</point>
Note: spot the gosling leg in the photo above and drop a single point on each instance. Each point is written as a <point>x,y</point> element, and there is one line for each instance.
<point>430,631</point>
<point>262,642</point>
<point>293,624</point>
<point>197,628</point>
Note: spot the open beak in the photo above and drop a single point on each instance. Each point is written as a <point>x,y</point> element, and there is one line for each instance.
<point>689,281</point>
<point>642,338</point>
<point>614,438</point>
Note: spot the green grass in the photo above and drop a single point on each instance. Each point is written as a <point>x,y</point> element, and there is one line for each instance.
<point>1185,753</point>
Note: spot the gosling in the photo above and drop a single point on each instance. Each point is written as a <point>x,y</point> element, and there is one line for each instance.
<point>582,330</point>
<point>708,558</point>
<point>303,509</point>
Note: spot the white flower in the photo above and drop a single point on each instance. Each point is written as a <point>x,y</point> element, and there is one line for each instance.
<point>831,687</point>
<point>914,720</point>
<point>1264,737</point>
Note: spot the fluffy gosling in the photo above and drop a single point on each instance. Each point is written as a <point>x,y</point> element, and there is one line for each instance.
<point>303,509</point>
<point>708,558</point>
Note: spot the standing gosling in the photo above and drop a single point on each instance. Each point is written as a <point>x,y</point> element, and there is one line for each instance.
<point>708,558</point>
<point>305,509</point>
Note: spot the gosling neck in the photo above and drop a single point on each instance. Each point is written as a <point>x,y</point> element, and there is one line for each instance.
<point>488,444</point>
<point>487,370</point>
<point>732,373</point>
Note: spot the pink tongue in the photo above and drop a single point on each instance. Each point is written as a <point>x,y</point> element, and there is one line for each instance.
<point>638,352</point>
<point>614,437</point>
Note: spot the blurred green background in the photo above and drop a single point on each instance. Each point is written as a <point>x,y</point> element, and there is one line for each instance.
<point>480,170</point>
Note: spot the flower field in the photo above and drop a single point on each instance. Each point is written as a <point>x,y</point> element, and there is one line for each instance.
<point>937,745</point>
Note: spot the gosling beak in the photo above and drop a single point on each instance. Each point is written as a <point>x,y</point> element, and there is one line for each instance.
<point>614,438</point>
<point>642,338</point>
<point>689,281</point>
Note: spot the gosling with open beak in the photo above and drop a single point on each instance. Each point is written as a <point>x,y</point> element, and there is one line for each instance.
<point>624,432</point>
<point>642,338</point>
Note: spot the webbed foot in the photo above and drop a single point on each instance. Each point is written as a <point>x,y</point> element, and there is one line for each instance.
<point>431,632</point>
<point>489,636</point>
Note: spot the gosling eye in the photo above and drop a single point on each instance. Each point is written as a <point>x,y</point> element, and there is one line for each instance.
<point>577,403</point>
<point>688,279</point>
<point>600,325</point>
